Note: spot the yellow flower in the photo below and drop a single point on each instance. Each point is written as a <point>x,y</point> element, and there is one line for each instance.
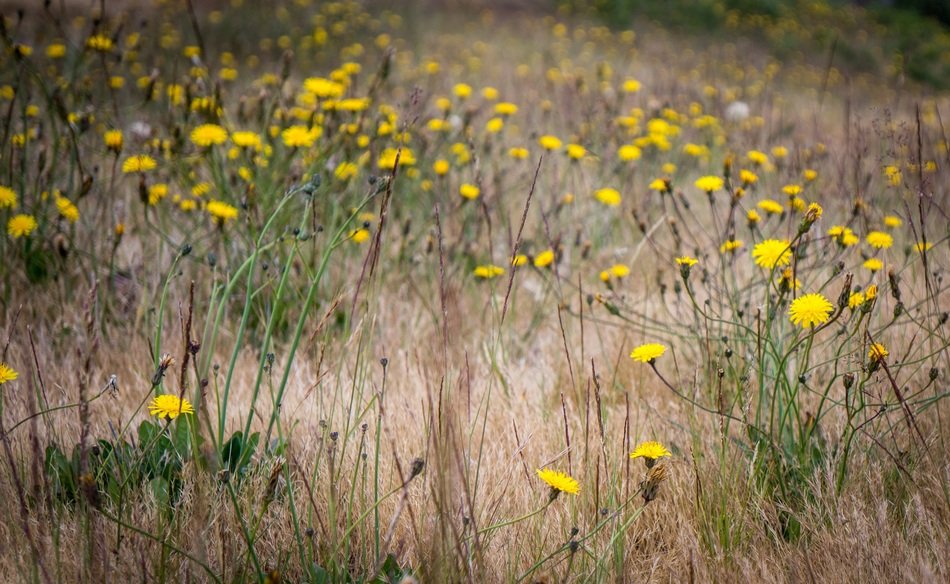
<point>748,177</point>
<point>8,198</point>
<point>300,136</point>
<point>99,42</point>
<point>608,196</point>
<point>519,260</point>
<point>506,108</point>
<point>345,170</point>
<point>770,206</point>
<point>488,271</point>
<point>879,239</point>
<point>138,163</point>
<point>877,352</point>
<point>246,139</point>
<point>559,482</point>
<point>660,184</point>
<point>686,261</point>
<point>892,221</point>
<point>650,452</point>
<point>771,253</point>
<point>113,140</point>
<point>67,209</point>
<point>710,184</point>
<point>921,247</point>
<point>576,151</point>
<point>792,190</point>
<point>462,90</point>
<point>156,193</point>
<point>810,174</point>
<point>7,373</point>
<point>544,259</point>
<point>494,125</point>
<point>469,191</point>
<point>359,235</point>
<point>619,271</point>
<point>752,217</point>
<point>809,310</point>
<point>873,264</point>
<point>323,88</point>
<point>757,157</point>
<point>387,158</point>
<point>780,152</point>
<point>648,353</point>
<point>549,142</point>
<point>629,152</point>
<point>221,212</point>
<point>518,153</point>
<point>855,299</point>
<point>21,226</point>
<point>169,406</point>
<point>56,51</point>
<point>731,245</point>
<point>440,167</point>
<point>631,86</point>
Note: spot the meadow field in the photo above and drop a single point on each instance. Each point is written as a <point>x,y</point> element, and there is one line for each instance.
<point>472,292</point>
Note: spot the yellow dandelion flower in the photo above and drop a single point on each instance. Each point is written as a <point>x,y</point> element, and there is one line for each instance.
<point>440,167</point>
<point>518,153</point>
<point>608,196</point>
<point>113,140</point>
<point>660,184</point>
<point>488,271</point>
<point>648,353</point>
<point>792,190</point>
<point>169,406</point>
<point>138,163</point>
<point>770,206</point>
<point>686,261</point>
<point>506,108</point>
<point>855,299</point>
<point>619,271</point>
<point>100,42</point>
<point>469,191</point>
<point>549,142</point>
<point>67,209</point>
<point>519,260</point>
<point>544,259</point>
<point>752,217</point>
<point>710,184</point>
<point>21,226</point>
<point>771,253</point>
<point>559,482</point>
<point>246,139</point>
<point>208,135</point>
<point>921,247</point>
<point>221,212</point>
<point>809,310</point>
<point>650,452</point>
<point>892,221</point>
<point>757,157</point>
<point>576,151</point>
<point>629,153</point>
<point>879,239</point>
<point>877,352</point>
<point>7,373</point>
<point>731,245</point>
<point>359,235</point>
<point>300,136</point>
<point>8,198</point>
<point>748,177</point>
<point>873,264</point>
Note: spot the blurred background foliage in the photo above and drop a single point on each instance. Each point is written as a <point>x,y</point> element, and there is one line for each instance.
<point>907,40</point>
